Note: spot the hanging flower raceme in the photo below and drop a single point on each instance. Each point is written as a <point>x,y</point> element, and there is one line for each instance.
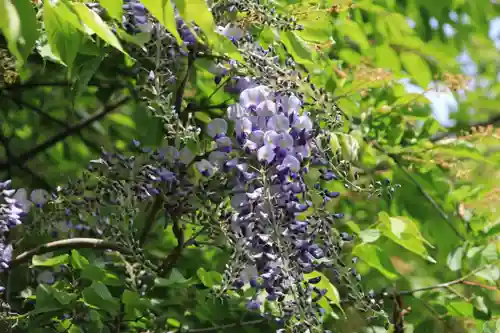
<point>10,216</point>
<point>273,145</point>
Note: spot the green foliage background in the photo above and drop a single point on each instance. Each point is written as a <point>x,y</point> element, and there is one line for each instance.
<point>70,89</point>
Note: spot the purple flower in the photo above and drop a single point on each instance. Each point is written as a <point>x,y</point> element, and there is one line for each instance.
<point>231,32</point>
<point>253,305</point>
<point>217,127</point>
<point>205,168</point>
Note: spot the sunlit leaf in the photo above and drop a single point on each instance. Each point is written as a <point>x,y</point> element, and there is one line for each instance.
<point>376,258</point>
<point>403,231</point>
<point>164,12</point>
<point>94,22</point>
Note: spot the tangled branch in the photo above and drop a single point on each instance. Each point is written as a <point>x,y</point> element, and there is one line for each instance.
<point>23,158</point>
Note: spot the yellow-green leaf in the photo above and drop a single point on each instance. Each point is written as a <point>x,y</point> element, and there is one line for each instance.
<point>164,12</point>
<point>114,8</point>
<point>373,256</point>
<point>10,23</point>
<point>403,231</point>
<point>20,27</point>
<point>352,30</point>
<point>64,38</point>
<point>198,11</point>
<point>387,58</point>
<point>417,68</point>
<point>96,24</point>
<point>297,48</point>
<point>332,294</point>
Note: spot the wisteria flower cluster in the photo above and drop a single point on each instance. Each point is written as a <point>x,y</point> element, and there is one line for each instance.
<point>268,156</point>
<point>10,216</point>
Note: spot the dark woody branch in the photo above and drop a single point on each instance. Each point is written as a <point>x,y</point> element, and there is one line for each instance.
<point>72,130</point>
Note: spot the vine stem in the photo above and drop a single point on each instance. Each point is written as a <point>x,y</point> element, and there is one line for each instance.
<point>462,280</point>
<point>72,243</point>
<point>151,218</point>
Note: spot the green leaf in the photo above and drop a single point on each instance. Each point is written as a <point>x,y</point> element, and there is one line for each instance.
<point>164,12</point>
<point>376,258</point>
<point>94,273</point>
<point>317,28</point>
<point>175,278</point>
<point>50,262</point>
<point>411,98</point>
<point>95,318</point>
<point>209,279</point>
<point>454,260</point>
<point>198,11</point>
<point>417,68</point>
<point>460,309</point>
<point>85,68</point>
<point>349,145</point>
<point>403,231</point>
<point>77,260</point>
<point>369,235</point>
<point>491,274</point>
<point>64,38</point>
<point>491,326</point>
<point>332,294</point>
<point>45,300</point>
<point>133,300</point>
<point>97,25</point>
<point>352,30</point>
<point>20,27</point>
<point>64,297</point>
<point>297,48</point>
<point>114,8</point>
<point>350,56</point>
<point>387,58</point>
<point>123,120</point>
<point>10,24</point>
<point>98,295</point>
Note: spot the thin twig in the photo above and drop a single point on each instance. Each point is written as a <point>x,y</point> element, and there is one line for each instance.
<point>5,142</point>
<point>46,115</point>
<point>23,158</point>
<point>443,135</point>
<point>179,94</point>
<point>151,218</point>
<point>202,107</point>
<point>174,256</point>
<point>449,283</point>
<point>72,243</point>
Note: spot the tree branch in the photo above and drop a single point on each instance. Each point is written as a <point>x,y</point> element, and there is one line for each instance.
<point>8,152</point>
<point>172,258</point>
<point>23,158</point>
<point>72,243</point>
<point>179,94</point>
<point>443,135</point>
<point>46,115</point>
<point>462,280</point>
